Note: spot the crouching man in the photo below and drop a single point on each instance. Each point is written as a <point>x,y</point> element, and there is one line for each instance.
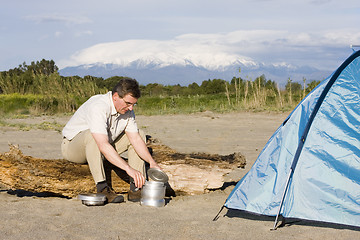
<point>104,127</point>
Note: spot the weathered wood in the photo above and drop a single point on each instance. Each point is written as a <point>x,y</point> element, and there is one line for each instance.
<point>197,172</point>
<point>188,173</point>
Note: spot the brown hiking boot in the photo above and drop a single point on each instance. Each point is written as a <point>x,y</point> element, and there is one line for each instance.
<point>111,196</point>
<point>134,196</point>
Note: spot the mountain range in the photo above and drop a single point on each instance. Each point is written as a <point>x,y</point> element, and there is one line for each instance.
<point>147,71</point>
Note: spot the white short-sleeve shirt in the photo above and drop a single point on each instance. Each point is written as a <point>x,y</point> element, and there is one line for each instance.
<point>98,114</point>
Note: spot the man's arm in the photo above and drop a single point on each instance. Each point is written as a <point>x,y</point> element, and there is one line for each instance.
<point>141,149</point>
<point>112,156</point>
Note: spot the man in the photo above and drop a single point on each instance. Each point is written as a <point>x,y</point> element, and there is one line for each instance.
<point>104,127</point>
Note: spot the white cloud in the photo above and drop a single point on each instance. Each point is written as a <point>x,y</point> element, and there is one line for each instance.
<point>199,51</point>
<point>299,31</point>
<point>214,50</point>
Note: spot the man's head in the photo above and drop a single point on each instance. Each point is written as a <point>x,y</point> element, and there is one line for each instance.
<point>125,95</point>
<point>127,86</point>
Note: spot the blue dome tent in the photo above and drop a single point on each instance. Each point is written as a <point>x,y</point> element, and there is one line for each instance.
<point>310,167</point>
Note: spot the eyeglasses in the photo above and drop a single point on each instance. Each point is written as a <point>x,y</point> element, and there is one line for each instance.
<point>129,103</point>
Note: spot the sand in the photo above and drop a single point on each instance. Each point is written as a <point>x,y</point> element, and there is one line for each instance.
<point>184,217</point>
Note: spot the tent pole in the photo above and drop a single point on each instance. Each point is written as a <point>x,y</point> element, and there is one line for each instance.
<point>217,215</point>
<point>311,119</point>
<point>282,198</point>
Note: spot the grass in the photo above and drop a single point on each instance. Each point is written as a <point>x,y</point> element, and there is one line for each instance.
<point>32,104</point>
<point>31,94</point>
<point>21,106</point>
<point>46,125</point>
<point>219,103</point>
<point>36,94</point>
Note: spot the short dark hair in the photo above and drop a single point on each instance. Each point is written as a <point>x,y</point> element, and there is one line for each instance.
<point>127,86</point>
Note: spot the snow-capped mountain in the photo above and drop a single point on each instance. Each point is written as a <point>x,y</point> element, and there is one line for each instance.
<point>186,72</point>
<point>188,58</point>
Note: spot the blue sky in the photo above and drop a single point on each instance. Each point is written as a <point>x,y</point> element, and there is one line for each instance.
<point>298,32</point>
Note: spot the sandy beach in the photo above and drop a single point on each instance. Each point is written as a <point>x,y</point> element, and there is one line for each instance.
<point>184,217</point>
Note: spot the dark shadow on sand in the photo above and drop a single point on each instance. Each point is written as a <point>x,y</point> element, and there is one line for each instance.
<point>286,222</point>
<point>24,193</point>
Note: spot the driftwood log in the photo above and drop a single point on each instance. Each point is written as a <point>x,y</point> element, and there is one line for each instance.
<point>188,173</point>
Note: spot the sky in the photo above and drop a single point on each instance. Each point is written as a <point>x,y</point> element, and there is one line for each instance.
<point>299,32</point>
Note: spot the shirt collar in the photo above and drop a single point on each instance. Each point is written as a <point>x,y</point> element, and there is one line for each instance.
<point>113,109</point>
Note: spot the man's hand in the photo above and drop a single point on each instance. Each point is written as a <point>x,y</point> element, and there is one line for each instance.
<point>139,179</point>
<point>155,165</point>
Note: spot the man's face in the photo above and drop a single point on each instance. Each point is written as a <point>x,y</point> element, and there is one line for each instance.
<point>122,105</point>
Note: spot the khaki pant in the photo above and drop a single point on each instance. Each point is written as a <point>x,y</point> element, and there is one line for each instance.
<point>82,148</point>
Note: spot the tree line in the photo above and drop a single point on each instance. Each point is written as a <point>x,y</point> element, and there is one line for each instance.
<point>42,80</point>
